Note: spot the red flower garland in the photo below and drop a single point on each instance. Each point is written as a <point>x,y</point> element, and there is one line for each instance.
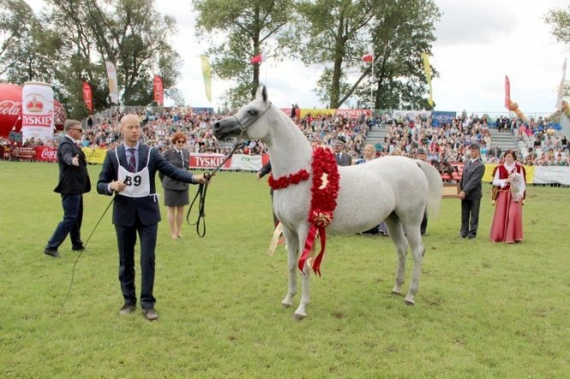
<point>323,199</point>
<point>284,181</point>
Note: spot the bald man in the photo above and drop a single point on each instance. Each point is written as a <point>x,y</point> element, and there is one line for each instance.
<point>129,171</point>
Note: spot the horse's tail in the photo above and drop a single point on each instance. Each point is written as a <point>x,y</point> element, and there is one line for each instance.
<point>435,186</point>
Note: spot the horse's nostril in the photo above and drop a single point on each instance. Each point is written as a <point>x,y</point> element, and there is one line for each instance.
<point>216,126</point>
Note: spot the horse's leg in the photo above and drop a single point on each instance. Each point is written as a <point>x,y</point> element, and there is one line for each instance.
<point>301,312</point>
<point>414,238</point>
<point>292,241</point>
<point>397,235</point>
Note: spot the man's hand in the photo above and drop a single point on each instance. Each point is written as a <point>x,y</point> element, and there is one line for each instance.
<point>118,186</point>
<point>461,195</point>
<point>75,160</point>
<point>202,179</point>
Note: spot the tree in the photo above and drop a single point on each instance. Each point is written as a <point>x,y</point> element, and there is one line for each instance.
<point>336,33</point>
<point>26,45</point>
<point>244,29</point>
<point>559,19</point>
<point>333,33</point>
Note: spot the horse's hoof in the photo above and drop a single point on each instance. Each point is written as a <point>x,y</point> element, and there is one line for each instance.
<point>286,305</point>
<point>409,301</point>
<point>298,316</point>
<point>396,292</point>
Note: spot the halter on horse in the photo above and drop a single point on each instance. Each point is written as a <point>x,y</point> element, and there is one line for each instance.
<point>395,189</point>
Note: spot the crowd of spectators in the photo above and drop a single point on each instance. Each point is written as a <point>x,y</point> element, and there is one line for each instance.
<point>449,142</point>
<point>539,143</point>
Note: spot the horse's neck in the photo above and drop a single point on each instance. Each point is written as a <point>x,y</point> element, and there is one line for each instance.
<point>289,149</point>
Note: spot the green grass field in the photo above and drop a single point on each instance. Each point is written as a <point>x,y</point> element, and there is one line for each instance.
<point>483,310</point>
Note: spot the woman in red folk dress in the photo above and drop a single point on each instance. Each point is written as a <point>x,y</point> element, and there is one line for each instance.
<point>507,221</point>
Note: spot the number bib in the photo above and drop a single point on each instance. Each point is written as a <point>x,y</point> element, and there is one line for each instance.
<point>138,183</point>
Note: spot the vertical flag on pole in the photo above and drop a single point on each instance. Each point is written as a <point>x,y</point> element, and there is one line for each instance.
<point>507,93</point>
<point>88,97</point>
<point>207,75</point>
<point>369,58</point>
<point>158,90</point>
<point>561,87</point>
<point>427,69</point>
<point>113,84</point>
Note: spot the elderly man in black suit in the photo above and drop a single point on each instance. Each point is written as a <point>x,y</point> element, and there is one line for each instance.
<point>342,158</point>
<point>471,192</point>
<point>129,171</point>
<point>73,183</point>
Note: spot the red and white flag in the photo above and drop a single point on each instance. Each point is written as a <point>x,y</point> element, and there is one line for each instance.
<point>158,90</point>
<point>88,97</point>
<point>257,59</point>
<point>368,58</point>
<point>507,93</point>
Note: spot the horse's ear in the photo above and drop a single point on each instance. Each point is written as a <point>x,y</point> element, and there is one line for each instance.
<point>261,92</point>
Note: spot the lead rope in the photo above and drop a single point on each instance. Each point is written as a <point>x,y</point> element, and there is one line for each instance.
<point>81,253</point>
<point>201,195</point>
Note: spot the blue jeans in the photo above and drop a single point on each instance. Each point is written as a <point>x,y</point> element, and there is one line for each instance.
<point>71,223</point>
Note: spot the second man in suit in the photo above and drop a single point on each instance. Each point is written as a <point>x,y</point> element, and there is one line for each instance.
<point>73,183</point>
<point>471,193</point>
<point>129,171</point>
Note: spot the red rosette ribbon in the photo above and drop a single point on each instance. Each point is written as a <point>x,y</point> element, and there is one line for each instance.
<point>323,203</point>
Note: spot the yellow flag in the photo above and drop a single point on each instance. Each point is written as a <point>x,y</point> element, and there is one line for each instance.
<point>427,69</point>
<point>207,75</point>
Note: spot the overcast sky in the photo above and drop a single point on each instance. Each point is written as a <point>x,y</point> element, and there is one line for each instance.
<point>478,43</point>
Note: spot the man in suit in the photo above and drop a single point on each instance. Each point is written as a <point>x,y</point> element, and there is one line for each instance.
<point>471,193</point>
<point>73,183</point>
<point>342,158</point>
<point>129,171</point>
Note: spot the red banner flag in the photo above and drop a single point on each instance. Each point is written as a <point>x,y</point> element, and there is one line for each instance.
<point>367,58</point>
<point>256,59</point>
<point>158,90</point>
<point>507,93</point>
<point>88,97</point>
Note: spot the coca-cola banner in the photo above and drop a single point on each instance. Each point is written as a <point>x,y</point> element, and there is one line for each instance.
<point>46,154</point>
<point>37,111</point>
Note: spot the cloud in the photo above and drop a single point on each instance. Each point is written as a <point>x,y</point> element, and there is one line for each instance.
<point>480,22</point>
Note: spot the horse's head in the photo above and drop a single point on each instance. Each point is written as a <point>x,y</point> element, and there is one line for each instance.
<point>247,122</point>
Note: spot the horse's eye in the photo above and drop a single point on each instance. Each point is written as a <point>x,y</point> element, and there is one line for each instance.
<point>252,112</point>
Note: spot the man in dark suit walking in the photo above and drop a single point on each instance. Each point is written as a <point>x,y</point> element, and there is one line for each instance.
<point>471,193</point>
<point>73,183</point>
<point>129,171</point>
